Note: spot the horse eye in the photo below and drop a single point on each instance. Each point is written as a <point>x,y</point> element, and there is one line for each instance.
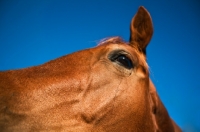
<point>123,60</point>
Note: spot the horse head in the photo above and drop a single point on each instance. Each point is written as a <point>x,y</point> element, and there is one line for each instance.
<point>105,88</point>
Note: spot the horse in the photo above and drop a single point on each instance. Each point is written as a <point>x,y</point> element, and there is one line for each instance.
<point>106,88</point>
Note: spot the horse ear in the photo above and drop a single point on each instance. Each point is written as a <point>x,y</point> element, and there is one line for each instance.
<point>141,29</point>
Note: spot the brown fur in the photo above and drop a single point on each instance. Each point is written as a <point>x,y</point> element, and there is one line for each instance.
<point>86,92</point>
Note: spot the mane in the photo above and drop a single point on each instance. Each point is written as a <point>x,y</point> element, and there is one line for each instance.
<point>108,40</point>
<point>116,40</point>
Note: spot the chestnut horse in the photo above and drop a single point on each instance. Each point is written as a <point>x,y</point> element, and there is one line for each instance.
<point>101,89</point>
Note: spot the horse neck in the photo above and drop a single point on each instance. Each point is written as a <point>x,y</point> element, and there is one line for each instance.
<point>161,117</point>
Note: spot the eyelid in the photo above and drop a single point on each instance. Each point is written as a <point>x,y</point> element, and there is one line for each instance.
<point>114,54</point>
<point>122,52</point>
<point>119,52</point>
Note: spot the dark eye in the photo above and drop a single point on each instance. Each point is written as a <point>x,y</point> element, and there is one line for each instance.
<point>123,60</point>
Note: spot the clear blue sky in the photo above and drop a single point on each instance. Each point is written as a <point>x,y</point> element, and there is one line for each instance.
<point>35,31</point>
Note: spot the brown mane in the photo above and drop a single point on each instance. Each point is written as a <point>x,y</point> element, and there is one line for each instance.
<point>114,40</point>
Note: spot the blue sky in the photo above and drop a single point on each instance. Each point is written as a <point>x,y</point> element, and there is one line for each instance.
<point>33,32</point>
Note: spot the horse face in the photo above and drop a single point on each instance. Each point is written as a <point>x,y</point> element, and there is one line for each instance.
<point>117,88</point>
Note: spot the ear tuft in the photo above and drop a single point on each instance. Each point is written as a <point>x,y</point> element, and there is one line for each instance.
<point>141,29</point>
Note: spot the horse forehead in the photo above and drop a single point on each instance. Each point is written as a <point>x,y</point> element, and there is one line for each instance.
<point>87,58</point>
<point>106,47</point>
